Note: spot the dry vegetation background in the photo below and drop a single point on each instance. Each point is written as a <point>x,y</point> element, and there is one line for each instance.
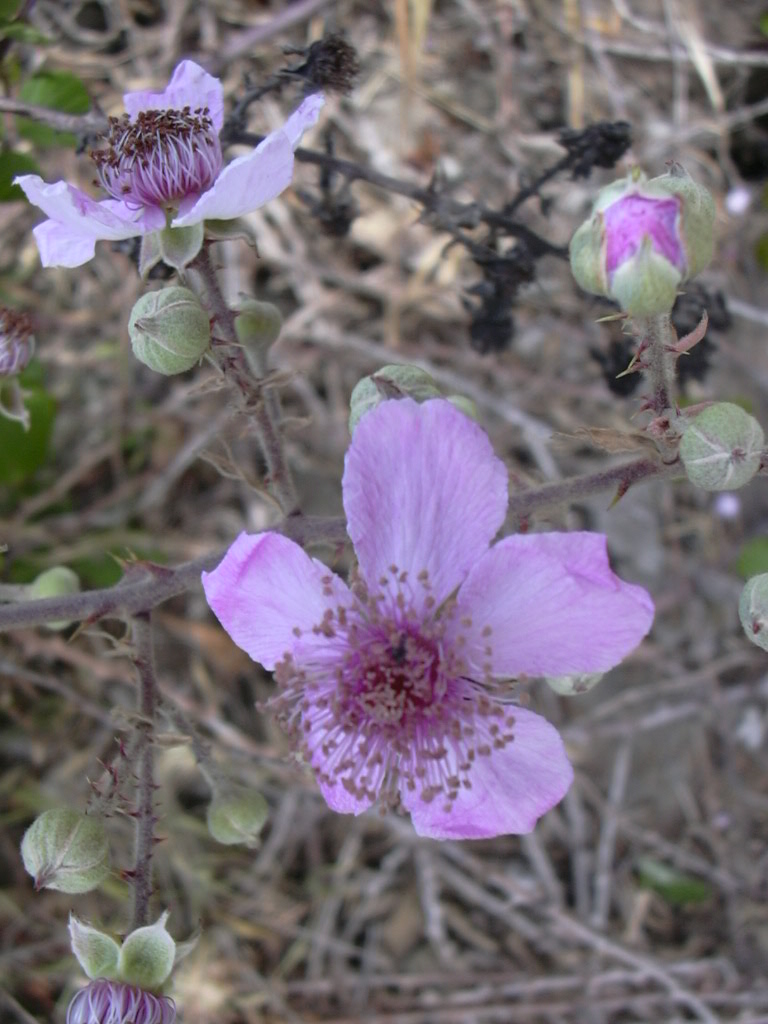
<point>343,919</point>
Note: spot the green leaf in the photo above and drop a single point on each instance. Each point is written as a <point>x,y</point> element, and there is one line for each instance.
<point>677,887</point>
<point>763,23</point>
<point>753,558</point>
<point>20,32</point>
<point>11,164</point>
<point>57,90</point>
<point>9,9</point>
<point>22,452</point>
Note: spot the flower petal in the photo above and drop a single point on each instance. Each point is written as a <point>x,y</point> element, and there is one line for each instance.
<point>245,184</point>
<point>305,115</point>
<point>265,588</point>
<point>553,605</point>
<point>78,221</point>
<point>422,491</point>
<point>510,788</point>
<point>190,86</point>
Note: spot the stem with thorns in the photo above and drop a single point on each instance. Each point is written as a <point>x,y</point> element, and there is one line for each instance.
<point>143,659</point>
<point>262,402</point>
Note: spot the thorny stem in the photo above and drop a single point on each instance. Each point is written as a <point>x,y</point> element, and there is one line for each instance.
<point>657,335</point>
<point>575,488</point>
<point>143,659</point>
<point>146,585</point>
<point>263,402</point>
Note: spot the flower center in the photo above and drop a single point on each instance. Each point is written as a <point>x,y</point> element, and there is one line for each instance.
<point>160,158</point>
<point>379,700</point>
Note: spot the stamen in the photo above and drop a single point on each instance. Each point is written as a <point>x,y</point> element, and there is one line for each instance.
<point>160,158</point>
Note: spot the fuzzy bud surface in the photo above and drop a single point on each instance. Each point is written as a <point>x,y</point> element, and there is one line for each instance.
<point>237,817</point>
<point>753,610</point>
<point>721,447</point>
<point>65,850</point>
<point>169,330</point>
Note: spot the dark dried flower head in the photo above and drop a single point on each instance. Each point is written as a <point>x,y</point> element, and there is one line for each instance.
<point>599,145</point>
<point>331,63</point>
<point>17,342</point>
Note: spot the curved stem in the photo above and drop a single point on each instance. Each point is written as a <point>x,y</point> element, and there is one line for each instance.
<point>143,659</point>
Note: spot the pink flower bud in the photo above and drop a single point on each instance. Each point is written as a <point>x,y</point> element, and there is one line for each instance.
<point>644,239</point>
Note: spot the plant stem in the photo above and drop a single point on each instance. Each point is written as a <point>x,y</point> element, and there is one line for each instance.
<point>658,334</point>
<point>143,659</point>
<point>262,402</point>
<point>145,585</point>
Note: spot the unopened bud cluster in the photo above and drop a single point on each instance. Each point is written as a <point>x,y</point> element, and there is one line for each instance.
<point>644,239</point>
<point>722,447</point>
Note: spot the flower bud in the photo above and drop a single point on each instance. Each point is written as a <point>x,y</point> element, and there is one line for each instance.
<point>17,342</point>
<point>147,955</point>
<point>393,381</point>
<point>65,850</point>
<point>96,952</point>
<point>644,239</point>
<point>56,582</point>
<point>237,816</point>
<point>169,330</point>
<point>574,685</point>
<point>721,447</point>
<point>113,1002</point>
<point>753,610</point>
<point>257,326</point>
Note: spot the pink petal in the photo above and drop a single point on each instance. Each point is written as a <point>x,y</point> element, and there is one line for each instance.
<point>553,605</point>
<point>245,184</point>
<point>341,800</point>
<point>77,220</point>
<point>511,788</point>
<point>305,115</point>
<point>265,589</point>
<point>190,86</point>
<point>422,491</point>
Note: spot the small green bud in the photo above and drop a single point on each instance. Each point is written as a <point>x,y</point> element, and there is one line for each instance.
<point>721,447</point>
<point>257,326</point>
<point>96,952</point>
<point>465,405</point>
<point>393,381</point>
<point>644,239</point>
<point>169,329</point>
<point>753,610</point>
<point>237,816</point>
<point>574,685</point>
<point>65,850</point>
<point>56,582</point>
<point>179,246</point>
<point>147,956</point>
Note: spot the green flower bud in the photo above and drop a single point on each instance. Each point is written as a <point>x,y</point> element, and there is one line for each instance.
<point>574,685</point>
<point>753,610</point>
<point>644,239</point>
<point>465,405</point>
<point>721,447</point>
<point>393,381</point>
<point>56,582</point>
<point>237,816</point>
<point>96,952</point>
<point>65,850</point>
<point>257,326</point>
<point>147,956</point>
<point>169,330</point>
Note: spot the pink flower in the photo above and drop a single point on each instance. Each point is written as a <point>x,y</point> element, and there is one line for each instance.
<point>395,687</point>
<point>163,161</point>
<point>114,1002</point>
